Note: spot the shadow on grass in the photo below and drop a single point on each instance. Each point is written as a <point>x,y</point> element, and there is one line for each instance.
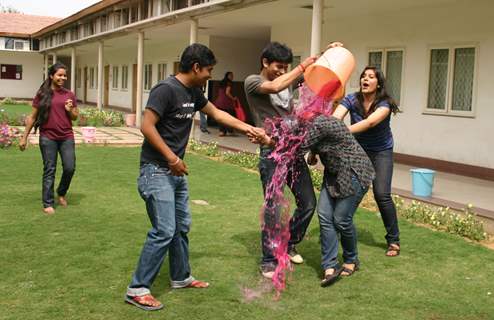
<point>75,199</point>
<point>366,237</point>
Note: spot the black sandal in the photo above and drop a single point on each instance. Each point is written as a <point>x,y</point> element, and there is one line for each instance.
<point>329,279</point>
<point>393,250</point>
<point>350,271</point>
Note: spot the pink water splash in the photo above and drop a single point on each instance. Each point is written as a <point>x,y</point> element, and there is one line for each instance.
<point>289,134</point>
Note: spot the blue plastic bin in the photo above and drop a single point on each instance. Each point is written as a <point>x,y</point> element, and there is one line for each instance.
<point>422,182</point>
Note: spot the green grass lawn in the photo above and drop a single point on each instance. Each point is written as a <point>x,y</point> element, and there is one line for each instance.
<point>14,110</point>
<point>77,263</point>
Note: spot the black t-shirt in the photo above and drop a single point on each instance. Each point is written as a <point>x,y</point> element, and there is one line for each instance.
<point>175,104</point>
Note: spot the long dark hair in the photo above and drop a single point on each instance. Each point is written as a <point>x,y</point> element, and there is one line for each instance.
<point>226,81</point>
<point>381,94</point>
<point>45,94</point>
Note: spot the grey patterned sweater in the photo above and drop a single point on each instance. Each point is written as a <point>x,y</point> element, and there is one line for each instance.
<point>341,155</point>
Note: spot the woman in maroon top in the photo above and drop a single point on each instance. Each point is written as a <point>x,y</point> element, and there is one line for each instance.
<point>225,100</point>
<point>54,109</point>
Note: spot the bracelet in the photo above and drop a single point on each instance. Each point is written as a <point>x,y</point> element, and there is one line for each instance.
<point>175,163</point>
<point>302,67</point>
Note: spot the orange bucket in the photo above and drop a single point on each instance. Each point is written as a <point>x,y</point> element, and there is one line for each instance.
<point>328,75</point>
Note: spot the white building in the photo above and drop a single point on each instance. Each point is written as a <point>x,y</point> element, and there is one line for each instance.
<point>21,66</point>
<point>435,54</point>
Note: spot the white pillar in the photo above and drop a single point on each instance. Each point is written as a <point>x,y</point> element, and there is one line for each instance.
<point>194,26</point>
<point>46,66</point>
<point>315,40</point>
<point>99,99</point>
<point>140,69</point>
<point>72,69</point>
<point>54,57</point>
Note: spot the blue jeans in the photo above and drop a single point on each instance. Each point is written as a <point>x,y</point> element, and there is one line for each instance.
<point>381,186</point>
<point>49,152</point>
<point>305,199</point>
<point>336,216</point>
<point>166,198</point>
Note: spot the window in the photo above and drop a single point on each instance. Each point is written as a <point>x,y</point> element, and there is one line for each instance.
<point>165,6</point>
<point>93,83</point>
<point>125,76</point>
<point>390,62</point>
<point>117,19</point>
<point>179,4</point>
<point>115,77</point>
<point>451,80</point>
<point>161,71</point>
<point>148,76</point>
<point>103,23</point>
<point>9,43</point>
<point>78,78</point>
<point>11,71</point>
<point>19,45</point>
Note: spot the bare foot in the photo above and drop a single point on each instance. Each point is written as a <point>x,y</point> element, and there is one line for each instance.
<point>62,201</point>
<point>49,210</point>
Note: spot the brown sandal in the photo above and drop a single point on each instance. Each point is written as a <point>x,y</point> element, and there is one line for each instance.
<point>393,250</point>
<point>146,302</point>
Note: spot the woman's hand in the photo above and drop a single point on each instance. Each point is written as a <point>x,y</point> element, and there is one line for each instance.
<point>68,105</point>
<point>311,159</point>
<point>22,143</point>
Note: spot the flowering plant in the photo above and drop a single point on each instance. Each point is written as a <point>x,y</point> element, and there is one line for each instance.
<point>8,135</point>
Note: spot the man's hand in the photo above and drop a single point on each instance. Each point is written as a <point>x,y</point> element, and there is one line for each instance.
<point>178,168</point>
<point>334,45</point>
<point>307,62</point>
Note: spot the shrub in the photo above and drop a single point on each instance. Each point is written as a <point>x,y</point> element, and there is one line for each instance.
<point>99,118</point>
<point>464,224</point>
<point>8,136</point>
<point>8,100</point>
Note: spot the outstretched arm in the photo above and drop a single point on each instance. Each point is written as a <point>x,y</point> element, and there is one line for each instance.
<point>226,119</point>
<point>285,80</point>
<point>373,120</point>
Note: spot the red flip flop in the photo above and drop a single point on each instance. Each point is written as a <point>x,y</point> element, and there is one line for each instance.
<point>146,302</point>
<point>198,284</point>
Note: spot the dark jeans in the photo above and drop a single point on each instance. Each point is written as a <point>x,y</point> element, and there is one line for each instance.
<point>167,204</point>
<point>49,152</point>
<point>381,186</point>
<point>336,217</point>
<point>305,199</point>
<point>227,129</point>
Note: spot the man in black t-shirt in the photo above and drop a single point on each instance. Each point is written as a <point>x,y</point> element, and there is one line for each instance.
<point>166,127</point>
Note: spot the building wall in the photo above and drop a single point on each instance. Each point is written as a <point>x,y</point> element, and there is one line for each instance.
<point>456,139</point>
<point>239,56</point>
<point>154,53</point>
<point>32,74</point>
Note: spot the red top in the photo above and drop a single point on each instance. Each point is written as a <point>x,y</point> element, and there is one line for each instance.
<point>59,125</point>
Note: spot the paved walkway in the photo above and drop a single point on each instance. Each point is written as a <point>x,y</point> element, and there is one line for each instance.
<point>105,136</point>
<point>450,190</point>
